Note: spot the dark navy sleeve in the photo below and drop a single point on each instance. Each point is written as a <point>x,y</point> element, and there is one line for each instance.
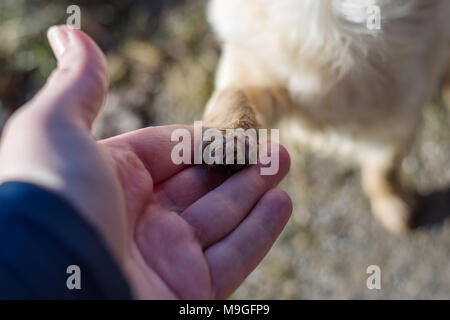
<point>41,236</point>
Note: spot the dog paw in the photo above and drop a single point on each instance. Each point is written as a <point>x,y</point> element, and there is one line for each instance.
<point>229,151</point>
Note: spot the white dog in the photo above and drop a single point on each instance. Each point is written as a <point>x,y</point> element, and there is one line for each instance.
<point>315,67</point>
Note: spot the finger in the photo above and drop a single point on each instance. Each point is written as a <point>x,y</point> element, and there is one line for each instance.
<point>222,210</point>
<point>76,89</point>
<point>186,187</point>
<point>154,148</point>
<point>168,246</point>
<point>232,259</point>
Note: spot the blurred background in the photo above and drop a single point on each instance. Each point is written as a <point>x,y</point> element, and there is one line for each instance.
<point>162,58</point>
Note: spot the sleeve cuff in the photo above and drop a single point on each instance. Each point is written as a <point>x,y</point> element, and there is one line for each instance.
<point>41,235</point>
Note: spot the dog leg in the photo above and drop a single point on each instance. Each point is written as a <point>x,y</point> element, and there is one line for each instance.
<point>246,107</point>
<point>246,97</point>
<point>390,203</point>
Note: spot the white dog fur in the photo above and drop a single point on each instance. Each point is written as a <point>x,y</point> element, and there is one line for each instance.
<point>313,68</point>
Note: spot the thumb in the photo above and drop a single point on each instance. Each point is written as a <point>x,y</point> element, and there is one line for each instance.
<point>76,89</point>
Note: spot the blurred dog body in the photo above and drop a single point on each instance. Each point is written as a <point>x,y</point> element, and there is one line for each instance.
<point>313,68</point>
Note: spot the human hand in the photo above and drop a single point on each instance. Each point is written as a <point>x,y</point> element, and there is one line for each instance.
<point>177,231</point>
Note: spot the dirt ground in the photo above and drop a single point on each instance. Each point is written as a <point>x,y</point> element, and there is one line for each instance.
<point>162,58</point>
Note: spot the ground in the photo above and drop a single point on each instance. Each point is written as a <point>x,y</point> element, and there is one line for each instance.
<point>162,56</point>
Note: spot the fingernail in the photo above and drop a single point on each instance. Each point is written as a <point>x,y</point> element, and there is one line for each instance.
<point>59,39</point>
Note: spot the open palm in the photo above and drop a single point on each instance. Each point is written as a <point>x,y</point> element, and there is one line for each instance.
<point>193,233</point>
